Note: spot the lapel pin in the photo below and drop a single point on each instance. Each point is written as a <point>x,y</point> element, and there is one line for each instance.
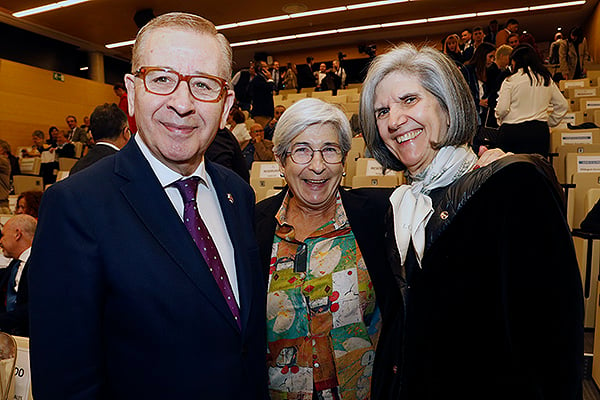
<point>230,198</point>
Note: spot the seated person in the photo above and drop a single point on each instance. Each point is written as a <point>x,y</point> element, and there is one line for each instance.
<point>29,203</point>
<point>17,236</point>
<point>263,148</point>
<point>270,127</point>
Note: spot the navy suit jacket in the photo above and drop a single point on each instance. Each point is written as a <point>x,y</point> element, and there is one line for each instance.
<point>130,310</point>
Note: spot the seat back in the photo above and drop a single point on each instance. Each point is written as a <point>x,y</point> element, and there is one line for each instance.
<point>8,359</point>
<point>22,370</point>
<point>30,165</point>
<point>25,183</point>
<point>66,163</point>
<point>375,181</point>
<point>265,176</point>
<point>560,162</point>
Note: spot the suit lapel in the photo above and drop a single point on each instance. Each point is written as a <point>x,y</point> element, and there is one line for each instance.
<point>149,201</point>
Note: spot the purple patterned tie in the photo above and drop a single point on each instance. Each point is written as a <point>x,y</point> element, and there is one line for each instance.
<point>194,224</point>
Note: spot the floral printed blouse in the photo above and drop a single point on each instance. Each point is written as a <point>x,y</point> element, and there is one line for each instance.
<point>322,321</point>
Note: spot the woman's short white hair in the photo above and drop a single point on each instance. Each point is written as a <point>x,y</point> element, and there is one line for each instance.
<point>440,76</point>
<point>308,112</point>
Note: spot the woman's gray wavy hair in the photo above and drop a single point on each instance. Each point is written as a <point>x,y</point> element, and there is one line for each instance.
<point>440,76</point>
<point>308,112</point>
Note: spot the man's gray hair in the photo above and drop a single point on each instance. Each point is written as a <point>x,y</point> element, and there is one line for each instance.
<point>184,21</point>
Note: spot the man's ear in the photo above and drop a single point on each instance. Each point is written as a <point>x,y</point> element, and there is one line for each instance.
<point>227,104</point>
<point>130,85</point>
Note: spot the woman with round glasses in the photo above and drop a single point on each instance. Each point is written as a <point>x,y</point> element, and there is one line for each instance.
<point>322,251</point>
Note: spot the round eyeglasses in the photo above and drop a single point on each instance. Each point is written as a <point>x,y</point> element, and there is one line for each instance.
<point>303,154</point>
<point>164,81</point>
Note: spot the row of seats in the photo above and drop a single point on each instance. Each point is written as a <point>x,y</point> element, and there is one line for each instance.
<point>575,156</point>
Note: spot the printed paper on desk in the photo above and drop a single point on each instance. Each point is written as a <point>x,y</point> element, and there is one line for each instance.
<point>585,92</point>
<point>572,84</point>
<point>269,171</point>
<point>576,138</point>
<point>588,164</point>
<point>592,104</point>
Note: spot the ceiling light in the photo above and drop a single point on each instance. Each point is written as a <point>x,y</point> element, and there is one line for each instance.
<point>294,8</point>
<point>557,5</point>
<point>451,17</point>
<point>47,7</point>
<point>402,23</point>
<point>84,68</point>
<point>359,28</point>
<point>277,39</point>
<point>120,44</point>
<point>263,20</point>
<point>320,33</point>
<point>318,12</point>
<point>365,27</point>
<point>498,12</point>
<point>375,4</point>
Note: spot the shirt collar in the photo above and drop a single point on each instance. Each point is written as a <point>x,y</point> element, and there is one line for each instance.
<point>25,255</point>
<point>166,176</point>
<point>339,220</point>
<point>108,144</point>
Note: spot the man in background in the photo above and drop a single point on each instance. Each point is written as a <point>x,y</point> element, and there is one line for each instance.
<point>76,133</point>
<point>110,131</point>
<point>16,239</point>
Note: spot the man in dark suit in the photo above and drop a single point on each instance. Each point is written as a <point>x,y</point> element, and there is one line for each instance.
<point>76,133</point>
<point>110,131</point>
<point>17,235</point>
<point>160,294</point>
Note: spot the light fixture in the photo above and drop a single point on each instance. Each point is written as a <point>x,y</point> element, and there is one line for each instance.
<point>47,7</point>
<point>120,44</point>
<point>375,4</point>
<point>498,12</point>
<point>365,27</point>
<point>84,68</point>
<point>556,5</point>
<point>451,17</point>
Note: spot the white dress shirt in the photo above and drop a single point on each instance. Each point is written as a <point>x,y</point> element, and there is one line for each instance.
<point>23,258</point>
<point>520,101</point>
<point>208,208</point>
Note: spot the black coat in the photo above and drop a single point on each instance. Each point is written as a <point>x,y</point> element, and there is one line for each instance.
<point>496,311</point>
<point>98,152</point>
<point>225,150</point>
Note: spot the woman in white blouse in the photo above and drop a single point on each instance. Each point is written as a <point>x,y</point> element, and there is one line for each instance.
<point>523,101</point>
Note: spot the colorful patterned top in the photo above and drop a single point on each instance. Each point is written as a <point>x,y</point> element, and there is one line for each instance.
<point>322,321</point>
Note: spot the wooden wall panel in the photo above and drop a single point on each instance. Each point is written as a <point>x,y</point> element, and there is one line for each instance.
<point>31,99</point>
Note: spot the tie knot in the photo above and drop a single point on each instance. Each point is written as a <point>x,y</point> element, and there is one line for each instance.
<point>188,188</point>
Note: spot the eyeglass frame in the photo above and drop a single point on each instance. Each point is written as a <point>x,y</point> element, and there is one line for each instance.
<point>143,70</point>
<point>312,156</point>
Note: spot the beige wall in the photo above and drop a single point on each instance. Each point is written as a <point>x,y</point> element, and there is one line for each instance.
<point>592,31</point>
<point>31,99</point>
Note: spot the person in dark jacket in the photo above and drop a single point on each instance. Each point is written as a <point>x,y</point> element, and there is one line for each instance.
<point>225,150</point>
<point>110,130</point>
<point>492,296</point>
